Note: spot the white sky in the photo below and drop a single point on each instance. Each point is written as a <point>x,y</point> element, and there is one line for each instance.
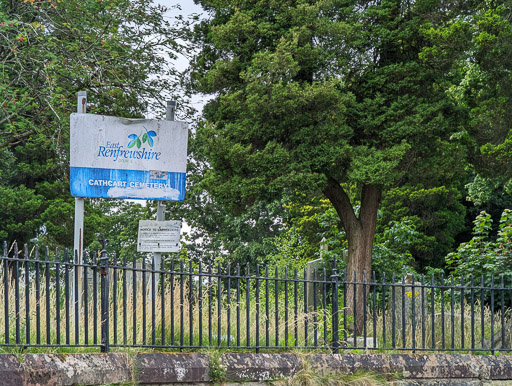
<point>188,7</point>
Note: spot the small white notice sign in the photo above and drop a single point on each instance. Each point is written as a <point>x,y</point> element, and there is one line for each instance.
<point>159,236</point>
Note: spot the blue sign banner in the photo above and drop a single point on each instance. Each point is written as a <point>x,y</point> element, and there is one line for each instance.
<point>135,184</point>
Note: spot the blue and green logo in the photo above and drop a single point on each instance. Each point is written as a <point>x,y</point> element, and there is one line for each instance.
<point>116,151</point>
<point>146,137</point>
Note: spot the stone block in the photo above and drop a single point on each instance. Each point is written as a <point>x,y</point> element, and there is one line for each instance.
<point>436,366</point>
<point>11,372</point>
<point>71,369</point>
<point>498,367</point>
<point>172,368</point>
<point>260,367</point>
<point>349,363</point>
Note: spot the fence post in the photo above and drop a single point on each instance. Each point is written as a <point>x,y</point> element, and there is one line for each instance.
<point>103,265</point>
<point>335,310</point>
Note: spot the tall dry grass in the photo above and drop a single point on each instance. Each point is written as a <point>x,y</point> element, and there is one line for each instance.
<point>190,317</point>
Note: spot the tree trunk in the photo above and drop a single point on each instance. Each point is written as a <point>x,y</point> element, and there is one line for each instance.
<point>360,232</point>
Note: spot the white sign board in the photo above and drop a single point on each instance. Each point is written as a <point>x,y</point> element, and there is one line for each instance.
<point>115,157</point>
<point>158,236</point>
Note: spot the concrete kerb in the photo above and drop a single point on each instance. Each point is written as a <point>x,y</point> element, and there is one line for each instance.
<point>173,368</point>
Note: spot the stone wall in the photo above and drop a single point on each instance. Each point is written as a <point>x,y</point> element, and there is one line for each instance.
<point>202,368</point>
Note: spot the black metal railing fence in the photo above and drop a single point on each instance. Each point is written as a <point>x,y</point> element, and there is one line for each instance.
<point>51,300</point>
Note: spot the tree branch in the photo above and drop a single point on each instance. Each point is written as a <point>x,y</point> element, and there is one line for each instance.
<point>15,139</point>
<point>341,202</point>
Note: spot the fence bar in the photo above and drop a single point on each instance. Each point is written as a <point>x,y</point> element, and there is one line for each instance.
<point>413,303</point>
<point>452,311</point>
<point>47,295</point>
<point>229,303</point>
<point>17,296</point>
<point>219,305</point>
<point>75,299</point>
<point>66,295</point>
<point>125,303</point>
<point>286,306</point>
<point>85,302</point>
<point>345,303</point>
<point>393,311</point>
<point>492,314</point>
<point>190,304</point>
<point>172,302</point>
<point>153,301</point>
<point>182,300</point>
<point>383,309</point>
<point>238,305</point>
<point>502,283</point>
<point>247,307</point>
<point>335,309</point>
<point>6,295</point>
<point>422,311</point>
<point>403,312</point>
<point>315,319</point>
<point>324,298</point>
<point>257,308</point>
<point>104,297</point>
<point>433,314</point>
<point>276,298</point>
<point>114,298</point>
<point>365,307</point>
<point>442,312</point>
<point>27,297</point>
<point>267,315</point>
<point>296,306</point>
<point>134,299</point>
<point>374,309</point>
<point>209,304</point>
<point>200,310</point>
<point>144,292</point>
<point>306,319</point>
<point>482,310</point>
<point>472,283</point>
<point>57,299</point>
<point>162,303</point>
<point>355,308</point>
<point>462,337</point>
<point>95,296</point>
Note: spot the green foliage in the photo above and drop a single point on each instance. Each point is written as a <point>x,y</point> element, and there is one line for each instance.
<point>217,371</point>
<point>291,250</point>
<point>436,214</point>
<point>296,245</point>
<point>494,191</point>
<point>489,194</point>
<point>51,50</point>
<point>392,249</point>
<point>118,221</point>
<point>483,255</point>
<point>325,97</point>
<point>474,52</point>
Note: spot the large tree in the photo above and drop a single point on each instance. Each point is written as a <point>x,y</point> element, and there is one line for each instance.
<point>117,50</point>
<point>319,96</point>
<point>474,51</point>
